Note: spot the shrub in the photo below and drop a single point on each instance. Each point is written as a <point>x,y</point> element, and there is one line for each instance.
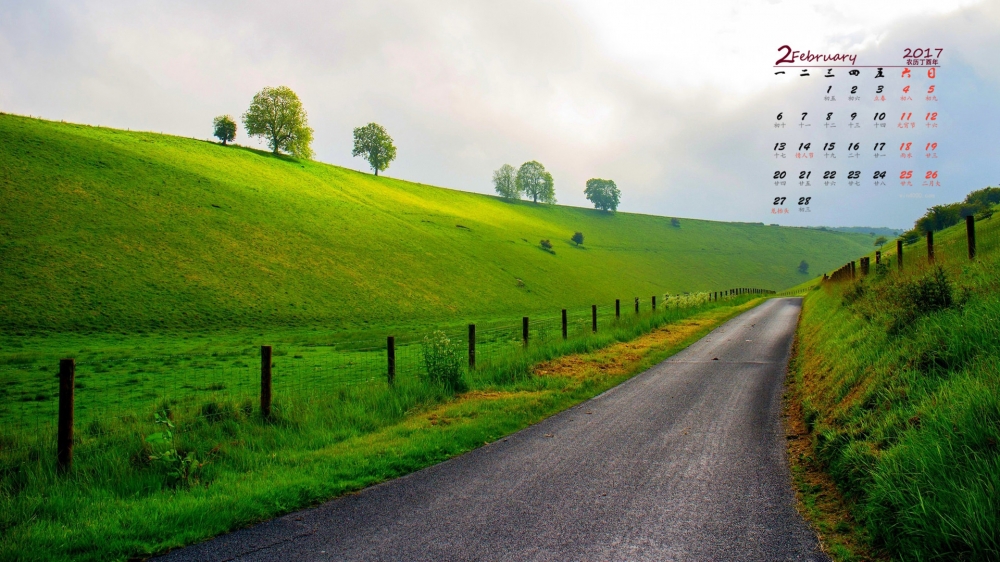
<point>546,245</point>
<point>930,292</point>
<point>675,223</point>
<point>443,361</point>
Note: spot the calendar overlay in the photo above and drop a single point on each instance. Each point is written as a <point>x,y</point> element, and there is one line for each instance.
<point>863,126</point>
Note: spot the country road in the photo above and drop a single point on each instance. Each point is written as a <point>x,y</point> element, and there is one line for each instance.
<point>685,461</point>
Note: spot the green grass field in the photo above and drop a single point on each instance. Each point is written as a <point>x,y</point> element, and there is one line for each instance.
<point>900,386</point>
<point>326,438</point>
<point>108,230</point>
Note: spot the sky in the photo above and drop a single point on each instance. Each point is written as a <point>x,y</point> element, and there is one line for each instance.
<point>675,102</point>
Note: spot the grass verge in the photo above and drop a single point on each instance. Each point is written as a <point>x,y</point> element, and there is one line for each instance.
<point>895,399</point>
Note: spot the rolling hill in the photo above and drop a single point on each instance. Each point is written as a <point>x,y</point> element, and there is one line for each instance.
<point>103,229</point>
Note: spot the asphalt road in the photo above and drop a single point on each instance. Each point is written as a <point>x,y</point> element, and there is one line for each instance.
<point>685,461</point>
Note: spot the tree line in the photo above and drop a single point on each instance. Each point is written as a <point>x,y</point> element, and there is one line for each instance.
<point>277,116</point>
<point>533,181</point>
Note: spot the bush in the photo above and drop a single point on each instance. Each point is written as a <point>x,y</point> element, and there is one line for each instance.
<point>577,238</point>
<point>546,245</point>
<point>443,361</point>
<point>930,292</point>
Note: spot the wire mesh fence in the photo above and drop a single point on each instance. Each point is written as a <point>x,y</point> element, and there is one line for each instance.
<point>117,400</point>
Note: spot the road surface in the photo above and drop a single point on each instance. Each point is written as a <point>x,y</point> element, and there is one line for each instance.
<point>685,461</point>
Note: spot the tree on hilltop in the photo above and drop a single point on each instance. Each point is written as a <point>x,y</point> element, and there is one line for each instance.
<point>225,128</point>
<point>277,115</point>
<point>604,194</point>
<point>535,182</point>
<point>505,182</point>
<point>880,241</point>
<point>375,145</point>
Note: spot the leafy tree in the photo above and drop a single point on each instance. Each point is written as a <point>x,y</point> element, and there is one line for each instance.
<point>535,182</point>
<point>984,198</point>
<point>604,194</point>
<point>940,217</point>
<point>577,238</point>
<point>505,182</point>
<point>375,145</point>
<point>803,267</point>
<point>546,245</point>
<point>225,128</point>
<point>675,223</point>
<point>880,241</point>
<point>277,115</point>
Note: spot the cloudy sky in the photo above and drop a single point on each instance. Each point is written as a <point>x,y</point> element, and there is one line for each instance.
<point>675,101</point>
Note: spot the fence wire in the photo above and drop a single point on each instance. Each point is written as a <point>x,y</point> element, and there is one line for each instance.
<point>117,399</point>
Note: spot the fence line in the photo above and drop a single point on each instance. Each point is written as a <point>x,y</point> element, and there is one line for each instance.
<point>950,251</point>
<point>97,398</point>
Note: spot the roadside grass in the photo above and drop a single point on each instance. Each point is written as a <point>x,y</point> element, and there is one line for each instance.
<point>117,503</point>
<point>898,381</point>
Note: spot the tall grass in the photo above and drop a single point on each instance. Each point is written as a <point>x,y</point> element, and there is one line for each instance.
<point>901,389</point>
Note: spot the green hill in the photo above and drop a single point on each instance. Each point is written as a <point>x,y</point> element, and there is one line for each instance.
<point>107,229</point>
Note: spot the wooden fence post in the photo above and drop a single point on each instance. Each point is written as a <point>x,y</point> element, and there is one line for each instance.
<point>593,316</point>
<point>970,233</point>
<point>864,266</point>
<point>265,381</point>
<point>618,308</point>
<point>64,441</point>
<point>524,330</point>
<point>390,349</point>
<point>654,302</point>
<point>472,346</point>
<point>853,270</point>
<point>564,323</point>
<point>637,305</point>
<point>930,246</point>
<point>899,255</point>
<point>878,258</point>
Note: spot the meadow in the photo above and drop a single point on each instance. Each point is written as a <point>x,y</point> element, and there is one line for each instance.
<point>900,394</point>
<point>162,264</point>
<point>110,231</point>
<point>157,470</point>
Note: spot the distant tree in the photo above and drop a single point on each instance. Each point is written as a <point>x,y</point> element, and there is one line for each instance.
<point>535,182</point>
<point>505,182</point>
<point>880,241</point>
<point>375,145</point>
<point>277,115</point>
<point>604,194</point>
<point>803,267</point>
<point>675,223</point>
<point>546,245</point>
<point>225,128</point>
<point>910,236</point>
<point>577,238</point>
<point>984,198</point>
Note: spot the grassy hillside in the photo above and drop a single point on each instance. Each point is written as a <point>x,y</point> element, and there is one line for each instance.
<point>900,386</point>
<point>106,229</point>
